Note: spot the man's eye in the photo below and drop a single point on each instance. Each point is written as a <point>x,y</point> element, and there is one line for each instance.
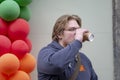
<point>72,29</point>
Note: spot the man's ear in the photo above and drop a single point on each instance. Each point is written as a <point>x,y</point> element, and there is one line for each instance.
<point>60,36</point>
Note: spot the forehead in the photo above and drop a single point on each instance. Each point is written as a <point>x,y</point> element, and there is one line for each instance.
<point>72,23</point>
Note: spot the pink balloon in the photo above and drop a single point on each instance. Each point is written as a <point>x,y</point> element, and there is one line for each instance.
<point>18,29</point>
<point>29,43</point>
<point>19,48</point>
<point>5,45</point>
<point>3,27</point>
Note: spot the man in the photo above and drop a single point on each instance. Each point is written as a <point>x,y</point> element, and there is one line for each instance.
<point>57,61</point>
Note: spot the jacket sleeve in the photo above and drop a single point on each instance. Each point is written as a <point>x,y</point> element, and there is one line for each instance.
<point>52,62</point>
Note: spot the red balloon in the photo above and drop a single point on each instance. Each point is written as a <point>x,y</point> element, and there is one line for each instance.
<point>5,45</point>
<point>3,27</point>
<point>18,29</point>
<point>19,48</point>
<point>28,41</point>
<point>9,64</point>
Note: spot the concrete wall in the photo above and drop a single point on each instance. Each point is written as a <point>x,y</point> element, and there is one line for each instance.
<point>96,16</point>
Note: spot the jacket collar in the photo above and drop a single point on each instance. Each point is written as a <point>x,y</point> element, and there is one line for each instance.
<point>56,45</point>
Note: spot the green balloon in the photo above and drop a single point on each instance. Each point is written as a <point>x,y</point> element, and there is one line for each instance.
<point>9,10</point>
<point>1,1</point>
<point>25,13</point>
<point>23,2</point>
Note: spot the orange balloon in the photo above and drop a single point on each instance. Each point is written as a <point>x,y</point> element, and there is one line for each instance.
<point>20,75</point>
<point>2,77</point>
<point>30,76</point>
<point>9,64</point>
<point>27,63</point>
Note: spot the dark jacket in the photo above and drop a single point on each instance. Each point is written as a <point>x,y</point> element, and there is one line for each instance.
<point>58,63</point>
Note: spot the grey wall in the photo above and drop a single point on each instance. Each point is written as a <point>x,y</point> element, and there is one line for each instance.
<point>96,16</point>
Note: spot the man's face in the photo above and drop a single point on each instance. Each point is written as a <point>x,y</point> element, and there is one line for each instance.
<point>69,32</point>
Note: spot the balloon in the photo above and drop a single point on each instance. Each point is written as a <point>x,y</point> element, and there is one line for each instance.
<point>9,10</point>
<point>20,75</point>
<point>5,45</point>
<point>23,2</point>
<point>18,29</point>
<point>3,27</point>
<point>9,64</point>
<point>25,13</point>
<point>19,48</point>
<point>27,63</point>
<point>1,1</point>
<point>30,76</point>
<point>28,41</point>
<point>2,77</point>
